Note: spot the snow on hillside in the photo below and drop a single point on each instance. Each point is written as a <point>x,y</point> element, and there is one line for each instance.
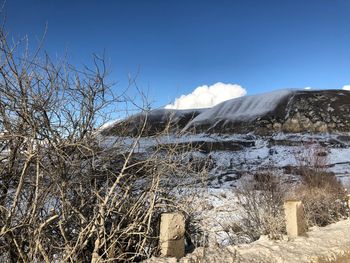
<point>288,110</point>
<point>261,154</point>
<point>243,108</point>
<point>216,203</point>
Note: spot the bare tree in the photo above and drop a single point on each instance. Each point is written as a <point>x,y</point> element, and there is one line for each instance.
<point>63,198</point>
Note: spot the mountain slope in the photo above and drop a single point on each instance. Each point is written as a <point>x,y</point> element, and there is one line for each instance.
<point>152,122</point>
<point>283,110</point>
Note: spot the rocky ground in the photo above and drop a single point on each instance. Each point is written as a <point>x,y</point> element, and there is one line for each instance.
<point>232,159</point>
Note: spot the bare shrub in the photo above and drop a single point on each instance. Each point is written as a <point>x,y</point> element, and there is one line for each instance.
<point>63,198</point>
<point>261,209</point>
<point>312,165</point>
<point>320,191</point>
<point>261,198</point>
<point>323,205</point>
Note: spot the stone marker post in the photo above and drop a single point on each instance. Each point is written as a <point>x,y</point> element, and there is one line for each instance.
<point>295,220</point>
<point>172,232</point>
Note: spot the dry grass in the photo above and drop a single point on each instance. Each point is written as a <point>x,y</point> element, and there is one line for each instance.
<point>323,205</point>
<point>320,191</point>
<point>261,209</point>
<point>261,198</point>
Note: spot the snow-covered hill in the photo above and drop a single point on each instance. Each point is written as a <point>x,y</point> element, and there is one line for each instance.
<point>290,111</point>
<point>269,133</point>
<point>249,133</point>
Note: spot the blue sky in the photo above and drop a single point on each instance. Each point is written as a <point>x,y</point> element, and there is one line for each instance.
<point>177,46</point>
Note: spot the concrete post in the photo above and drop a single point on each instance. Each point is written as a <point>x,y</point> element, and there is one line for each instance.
<point>172,232</point>
<point>349,204</point>
<point>295,220</point>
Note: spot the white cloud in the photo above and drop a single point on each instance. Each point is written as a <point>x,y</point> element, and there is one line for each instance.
<point>207,96</point>
<point>346,87</point>
<point>307,88</point>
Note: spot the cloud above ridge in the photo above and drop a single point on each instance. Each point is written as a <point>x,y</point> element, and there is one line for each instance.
<point>207,96</point>
<point>346,87</point>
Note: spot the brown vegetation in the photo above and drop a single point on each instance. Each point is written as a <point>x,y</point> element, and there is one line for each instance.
<point>261,202</point>
<point>261,198</point>
<point>63,198</point>
<point>323,196</point>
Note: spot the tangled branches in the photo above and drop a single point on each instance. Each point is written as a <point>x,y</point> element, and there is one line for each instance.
<point>63,198</point>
